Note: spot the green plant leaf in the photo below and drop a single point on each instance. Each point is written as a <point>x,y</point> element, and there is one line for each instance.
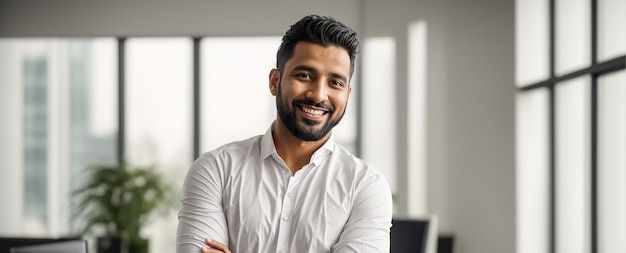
<point>121,200</point>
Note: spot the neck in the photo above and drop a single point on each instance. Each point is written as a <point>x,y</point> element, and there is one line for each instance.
<point>295,152</point>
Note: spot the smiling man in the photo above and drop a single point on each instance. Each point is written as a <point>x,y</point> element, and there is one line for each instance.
<point>292,189</point>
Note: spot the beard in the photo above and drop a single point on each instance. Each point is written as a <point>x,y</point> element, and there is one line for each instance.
<point>305,130</point>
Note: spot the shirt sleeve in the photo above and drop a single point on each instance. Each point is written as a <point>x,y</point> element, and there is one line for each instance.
<point>367,229</point>
<point>202,213</point>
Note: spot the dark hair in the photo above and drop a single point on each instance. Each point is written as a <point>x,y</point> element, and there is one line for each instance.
<point>321,30</point>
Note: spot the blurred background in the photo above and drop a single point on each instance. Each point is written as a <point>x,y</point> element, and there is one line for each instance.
<point>505,118</point>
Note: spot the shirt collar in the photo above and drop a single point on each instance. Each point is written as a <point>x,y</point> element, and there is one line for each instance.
<point>268,148</point>
<point>267,144</point>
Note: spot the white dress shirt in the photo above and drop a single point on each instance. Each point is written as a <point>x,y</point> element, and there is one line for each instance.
<point>244,196</point>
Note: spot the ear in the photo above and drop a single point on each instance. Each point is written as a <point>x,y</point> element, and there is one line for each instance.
<point>274,79</point>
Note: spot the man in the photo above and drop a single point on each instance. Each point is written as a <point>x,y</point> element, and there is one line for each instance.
<point>293,189</point>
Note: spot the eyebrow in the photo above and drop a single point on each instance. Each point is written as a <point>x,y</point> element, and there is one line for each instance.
<point>311,69</point>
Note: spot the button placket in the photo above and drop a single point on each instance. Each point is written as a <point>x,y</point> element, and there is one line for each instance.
<point>285,216</point>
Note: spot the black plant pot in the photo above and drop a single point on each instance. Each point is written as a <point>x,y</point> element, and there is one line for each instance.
<point>138,246</point>
<point>111,245</point>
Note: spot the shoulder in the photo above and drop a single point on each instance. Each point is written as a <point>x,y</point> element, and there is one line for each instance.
<point>365,185</point>
<point>246,146</point>
<point>229,153</point>
<point>362,171</point>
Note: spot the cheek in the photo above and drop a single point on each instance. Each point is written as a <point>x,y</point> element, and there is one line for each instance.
<point>293,92</point>
<point>341,101</point>
<point>285,99</point>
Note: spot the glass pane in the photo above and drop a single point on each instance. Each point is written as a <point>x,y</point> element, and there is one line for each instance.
<point>235,76</point>
<point>53,115</point>
<point>532,41</point>
<point>573,43</point>
<point>378,124</point>
<point>572,166</point>
<point>533,172</point>
<point>612,162</point>
<point>159,117</point>
<point>35,80</point>
<point>611,29</point>
<point>236,101</point>
<point>92,106</point>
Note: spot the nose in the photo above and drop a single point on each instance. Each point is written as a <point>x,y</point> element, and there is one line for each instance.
<point>317,91</point>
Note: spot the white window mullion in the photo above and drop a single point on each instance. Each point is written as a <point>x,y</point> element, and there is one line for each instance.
<point>12,147</point>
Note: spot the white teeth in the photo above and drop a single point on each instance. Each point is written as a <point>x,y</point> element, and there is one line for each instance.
<point>312,111</point>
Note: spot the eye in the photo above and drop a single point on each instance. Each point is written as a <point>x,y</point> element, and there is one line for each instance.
<point>337,83</point>
<point>303,75</point>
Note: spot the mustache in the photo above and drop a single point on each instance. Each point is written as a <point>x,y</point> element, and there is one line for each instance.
<point>309,102</point>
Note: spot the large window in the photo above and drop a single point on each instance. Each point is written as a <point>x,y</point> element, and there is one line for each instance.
<point>570,128</point>
<point>70,103</point>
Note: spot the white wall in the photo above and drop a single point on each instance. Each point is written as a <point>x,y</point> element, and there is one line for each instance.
<point>470,82</point>
<point>379,23</point>
<point>163,17</point>
<point>470,152</point>
<point>480,122</point>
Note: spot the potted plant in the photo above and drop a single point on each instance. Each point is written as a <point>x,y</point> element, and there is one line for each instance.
<point>116,202</point>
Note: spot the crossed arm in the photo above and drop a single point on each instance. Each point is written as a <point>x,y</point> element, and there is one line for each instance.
<point>367,228</point>
<point>202,214</point>
<point>215,247</point>
<point>203,227</point>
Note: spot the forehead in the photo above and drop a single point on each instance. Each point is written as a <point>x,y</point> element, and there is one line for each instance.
<point>332,58</point>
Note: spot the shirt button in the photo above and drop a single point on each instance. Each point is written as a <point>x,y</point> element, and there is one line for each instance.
<point>285,218</point>
<point>289,195</point>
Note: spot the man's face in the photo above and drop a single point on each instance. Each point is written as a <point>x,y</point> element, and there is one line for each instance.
<point>313,90</point>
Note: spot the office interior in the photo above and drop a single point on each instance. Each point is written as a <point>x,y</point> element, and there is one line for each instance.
<point>503,118</point>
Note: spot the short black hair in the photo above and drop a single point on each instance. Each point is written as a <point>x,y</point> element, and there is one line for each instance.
<point>325,31</point>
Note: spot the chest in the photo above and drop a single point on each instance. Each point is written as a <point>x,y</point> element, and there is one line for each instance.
<point>267,201</point>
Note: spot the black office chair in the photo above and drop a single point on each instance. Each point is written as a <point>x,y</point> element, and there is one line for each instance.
<point>71,246</point>
<point>6,243</point>
<point>414,235</point>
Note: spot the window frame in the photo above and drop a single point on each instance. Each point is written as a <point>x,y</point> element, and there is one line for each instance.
<point>595,70</point>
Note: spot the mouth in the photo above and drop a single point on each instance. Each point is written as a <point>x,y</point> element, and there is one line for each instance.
<point>312,111</point>
<point>313,114</point>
